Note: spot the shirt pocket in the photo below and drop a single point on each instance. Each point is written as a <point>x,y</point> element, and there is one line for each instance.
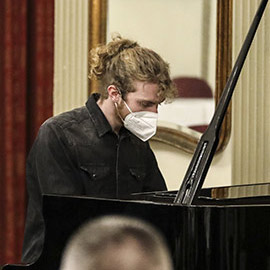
<point>137,179</point>
<point>96,172</point>
<point>97,179</point>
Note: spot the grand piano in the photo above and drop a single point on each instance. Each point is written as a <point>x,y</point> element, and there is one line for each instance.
<point>225,228</point>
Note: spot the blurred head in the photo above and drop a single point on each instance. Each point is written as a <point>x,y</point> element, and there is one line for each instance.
<point>116,243</point>
<point>123,62</point>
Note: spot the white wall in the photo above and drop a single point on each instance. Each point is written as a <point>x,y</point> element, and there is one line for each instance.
<point>172,28</point>
<point>70,54</point>
<point>173,164</point>
<point>251,106</point>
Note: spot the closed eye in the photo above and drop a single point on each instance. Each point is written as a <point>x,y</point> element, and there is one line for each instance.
<point>147,104</point>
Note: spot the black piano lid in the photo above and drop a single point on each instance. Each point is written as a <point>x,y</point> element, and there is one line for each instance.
<point>208,237</point>
<point>202,236</point>
<point>204,153</point>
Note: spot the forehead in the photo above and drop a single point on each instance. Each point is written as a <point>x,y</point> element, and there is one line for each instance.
<point>145,91</point>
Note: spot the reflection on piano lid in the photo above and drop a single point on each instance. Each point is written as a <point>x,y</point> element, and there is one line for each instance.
<point>225,192</point>
<point>250,194</point>
<point>241,191</point>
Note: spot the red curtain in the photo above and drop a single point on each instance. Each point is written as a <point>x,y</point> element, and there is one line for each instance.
<point>26,87</point>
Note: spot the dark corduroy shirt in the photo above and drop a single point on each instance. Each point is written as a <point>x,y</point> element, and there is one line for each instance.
<point>77,153</point>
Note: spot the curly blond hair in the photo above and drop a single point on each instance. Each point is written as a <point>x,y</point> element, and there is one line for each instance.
<point>122,61</point>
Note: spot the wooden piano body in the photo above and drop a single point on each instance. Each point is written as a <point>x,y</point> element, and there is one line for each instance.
<point>223,233</point>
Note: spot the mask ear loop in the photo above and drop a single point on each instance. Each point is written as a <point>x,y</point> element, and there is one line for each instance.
<point>128,107</point>
<point>124,103</point>
<point>116,107</point>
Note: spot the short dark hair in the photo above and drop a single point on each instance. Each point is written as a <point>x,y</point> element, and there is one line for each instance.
<point>116,242</point>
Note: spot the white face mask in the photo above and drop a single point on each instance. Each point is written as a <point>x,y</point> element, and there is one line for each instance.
<point>142,124</point>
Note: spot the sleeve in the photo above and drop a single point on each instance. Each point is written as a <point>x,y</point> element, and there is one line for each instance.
<point>51,163</point>
<point>50,169</point>
<point>155,180</point>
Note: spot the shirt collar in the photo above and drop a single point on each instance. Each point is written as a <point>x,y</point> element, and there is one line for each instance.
<point>98,118</point>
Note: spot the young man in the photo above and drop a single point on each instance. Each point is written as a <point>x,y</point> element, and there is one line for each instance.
<point>100,149</point>
<point>116,243</point>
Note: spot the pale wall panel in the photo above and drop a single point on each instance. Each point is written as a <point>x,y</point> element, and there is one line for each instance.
<point>251,103</point>
<point>182,32</point>
<point>71,50</point>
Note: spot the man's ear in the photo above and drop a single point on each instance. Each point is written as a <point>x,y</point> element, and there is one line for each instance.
<point>113,93</point>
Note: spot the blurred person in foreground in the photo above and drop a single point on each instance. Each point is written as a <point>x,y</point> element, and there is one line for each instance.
<point>116,243</point>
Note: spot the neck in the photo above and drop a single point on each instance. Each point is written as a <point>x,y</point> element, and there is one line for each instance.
<point>109,110</point>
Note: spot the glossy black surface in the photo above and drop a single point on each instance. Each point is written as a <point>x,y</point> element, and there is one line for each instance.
<point>200,237</point>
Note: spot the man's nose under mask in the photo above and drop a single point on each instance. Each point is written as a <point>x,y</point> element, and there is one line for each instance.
<point>142,124</point>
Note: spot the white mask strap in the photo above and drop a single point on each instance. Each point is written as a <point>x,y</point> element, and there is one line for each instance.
<point>128,107</point>
<point>116,107</point>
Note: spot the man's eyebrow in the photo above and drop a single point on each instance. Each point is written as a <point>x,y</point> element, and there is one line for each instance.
<point>148,102</point>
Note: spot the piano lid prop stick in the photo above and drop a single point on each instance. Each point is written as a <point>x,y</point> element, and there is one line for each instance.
<point>204,153</point>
